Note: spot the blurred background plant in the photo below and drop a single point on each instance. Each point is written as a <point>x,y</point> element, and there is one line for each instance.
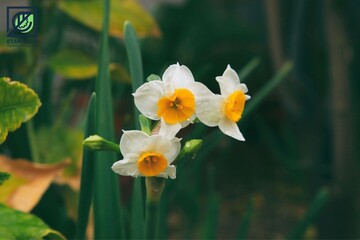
<point>296,175</point>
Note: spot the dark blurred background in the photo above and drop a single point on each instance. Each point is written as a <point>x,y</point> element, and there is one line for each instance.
<point>301,140</point>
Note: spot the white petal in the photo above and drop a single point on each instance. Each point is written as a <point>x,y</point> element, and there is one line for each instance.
<point>228,82</point>
<point>209,110</point>
<point>173,151</point>
<point>243,87</point>
<point>169,130</point>
<point>157,143</point>
<point>132,142</point>
<point>200,91</point>
<point>170,171</point>
<point>247,97</point>
<point>126,167</point>
<point>231,129</point>
<point>147,96</point>
<point>179,76</point>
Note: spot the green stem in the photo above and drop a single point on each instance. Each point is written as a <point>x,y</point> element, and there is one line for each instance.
<point>32,141</point>
<point>154,189</point>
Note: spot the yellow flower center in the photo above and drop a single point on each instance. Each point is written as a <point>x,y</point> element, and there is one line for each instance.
<point>151,164</point>
<point>234,105</point>
<point>178,107</point>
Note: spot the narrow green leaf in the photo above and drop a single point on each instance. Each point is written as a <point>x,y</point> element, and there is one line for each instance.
<point>245,222</point>
<point>107,208</point>
<point>314,210</point>
<point>18,225</point>
<point>268,88</point>
<point>137,78</point>
<point>135,62</point>
<point>245,71</point>
<point>3,177</point>
<point>137,210</point>
<point>18,104</point>
<point>211,219</point>
<point>87,175</point>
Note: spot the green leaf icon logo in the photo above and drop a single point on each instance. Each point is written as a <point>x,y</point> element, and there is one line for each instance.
<point>24,21</point>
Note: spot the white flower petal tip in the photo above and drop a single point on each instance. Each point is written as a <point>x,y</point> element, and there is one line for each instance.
<point>231,129</point>
<point>146,155</point>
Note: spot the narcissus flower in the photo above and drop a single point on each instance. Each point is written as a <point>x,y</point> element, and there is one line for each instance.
<point>171,100</point>
<point>146,155</point>
<point>225,110</point>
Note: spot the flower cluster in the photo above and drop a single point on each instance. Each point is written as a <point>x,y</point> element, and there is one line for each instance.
<point>176,101</point>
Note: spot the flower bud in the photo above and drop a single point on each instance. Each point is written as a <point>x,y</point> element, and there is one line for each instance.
<point>97,143</point>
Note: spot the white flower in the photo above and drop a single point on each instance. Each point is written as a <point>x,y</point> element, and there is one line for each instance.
<point>225,110</point>
<point>146,155</point>
<point>171,100</point>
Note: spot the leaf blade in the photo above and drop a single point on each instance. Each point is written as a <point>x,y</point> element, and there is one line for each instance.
<point>18,104</point>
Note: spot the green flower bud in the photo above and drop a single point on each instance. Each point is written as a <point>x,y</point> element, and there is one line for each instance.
<point>97,143</point>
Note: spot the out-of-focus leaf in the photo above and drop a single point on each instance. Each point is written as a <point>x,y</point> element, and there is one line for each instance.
<point>119,73</point>
<point>245,222</point>
<point>314,210</point>
<point>245,71</point>
<point>28,182</point>
<point>18,104</point>
<point>57,145</point>
<point>90,13</point>
<point>3,177</point>
<point>76,65</point>
<point>18,225</point>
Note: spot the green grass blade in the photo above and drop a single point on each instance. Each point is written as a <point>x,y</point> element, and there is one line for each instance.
<point>245,71</point>
<point>87,174</point>
<point>107,208</point>
<point>211,219</point>
<point>268,88</point>
<point>313,212</point>
<point>137,78</point>
<point>245,222</point>
<point>135,63</point>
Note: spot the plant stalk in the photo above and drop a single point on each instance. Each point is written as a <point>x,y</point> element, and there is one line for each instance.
<point>154,189</point>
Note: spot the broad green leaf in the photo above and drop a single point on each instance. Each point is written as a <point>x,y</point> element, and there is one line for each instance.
<point>16,225</point>
<point>28,182</point>
<point>75,65</point>
<point>3,177</point>
<point>18,104</point>
<point>90,13</point>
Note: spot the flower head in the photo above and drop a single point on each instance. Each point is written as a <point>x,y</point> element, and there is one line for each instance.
<point>146,155</point>
<point>225,110</point>
<point>171,100</point>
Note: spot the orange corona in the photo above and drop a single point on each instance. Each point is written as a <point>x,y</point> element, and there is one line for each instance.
<point>178,107</point>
